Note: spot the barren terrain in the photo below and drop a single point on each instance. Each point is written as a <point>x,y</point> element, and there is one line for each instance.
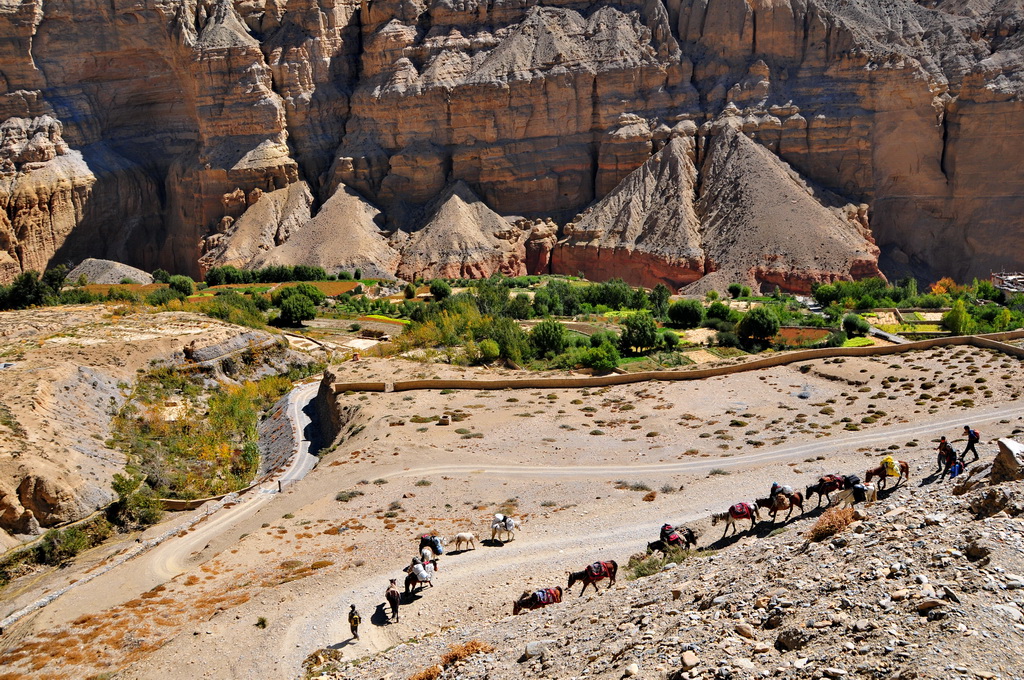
<point>70,369</point>
<point>550,457</point>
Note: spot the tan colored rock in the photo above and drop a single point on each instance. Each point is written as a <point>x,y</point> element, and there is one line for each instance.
<point>343,236</point>
<point>763,224</point>
<point>462,238</point>
<point>269,222</point>
<point>646,231</point>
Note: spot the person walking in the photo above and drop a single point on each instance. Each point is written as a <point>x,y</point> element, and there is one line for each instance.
<point>973,437</point>
<point>353,621</point>
<point>947,457</point>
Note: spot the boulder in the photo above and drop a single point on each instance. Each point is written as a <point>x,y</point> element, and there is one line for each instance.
<point>1008,465</point>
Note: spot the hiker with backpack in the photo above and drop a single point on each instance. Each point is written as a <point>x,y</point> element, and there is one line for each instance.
<point>946,458</point>
<point>973,437</point>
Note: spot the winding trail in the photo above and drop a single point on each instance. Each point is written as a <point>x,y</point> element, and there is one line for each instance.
<point>884,435</point>
<point>157,560</point>
<point>538,547</point>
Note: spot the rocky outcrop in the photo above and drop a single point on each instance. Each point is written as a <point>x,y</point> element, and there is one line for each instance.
<point>139,132</point>
<point>646,230</point>
<point>765,225</point>
<point>462,238</point>
<point>106,271</point>
<point>344,235</point>
<point>753,220</point>
<point>269,219</point>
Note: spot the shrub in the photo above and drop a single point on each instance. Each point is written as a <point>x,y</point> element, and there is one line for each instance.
<point>296,309</point>
<point>440,289</point>
<point>855,325</point>
<point>686,313</point>
<point>727,339</point>
<point>489,350</point>
<point>346,496</point>
<point>161,276</point>
<point>668,339</point>
<point>735,290</point>
<point>548,337</point>
<point>758,325</point>
<point>182,284</point>
<point>831,523</point>
<point>409,291</point>
<point>162,296</point>
<point>60,546</point>
<point>719,310</point>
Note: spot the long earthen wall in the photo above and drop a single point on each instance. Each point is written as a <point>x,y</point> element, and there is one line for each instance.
<point>996,341</point>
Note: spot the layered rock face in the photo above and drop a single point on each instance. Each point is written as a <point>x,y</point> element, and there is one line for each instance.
<point>148,132</point>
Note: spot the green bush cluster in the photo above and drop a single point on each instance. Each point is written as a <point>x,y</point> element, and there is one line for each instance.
<point>219,276</point>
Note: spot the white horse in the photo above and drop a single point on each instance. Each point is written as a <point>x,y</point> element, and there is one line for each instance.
<point>734,514</point>
<point>503,524</point>
<point>466,538</point>
<point>845,498</point>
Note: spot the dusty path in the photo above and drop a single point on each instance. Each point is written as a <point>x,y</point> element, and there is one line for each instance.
<point>466,578</point>
<point>180,553</point>
<point>885,435</point>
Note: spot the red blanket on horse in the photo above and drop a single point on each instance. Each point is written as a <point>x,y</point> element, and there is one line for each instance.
<point>599,569</point>
<point>546,596</point>
<point>741,511</point>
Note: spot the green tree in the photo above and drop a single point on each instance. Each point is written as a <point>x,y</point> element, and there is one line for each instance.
<point>686,313</point>
<point>719,310</point>
<point>137,504</point>
<point>959,320</point>
<point>307,289</point>
<point>358,274</point>
<point>669,339</point>
<point>410,291</point>
<point>758,325</point>
<point>735,289</point>
<point>603,358</point>
<point>520,307</point>
<point>548,337</point>
<point>297,308</point>
<point>440,289</point>
<point>26,291</point>
<point>659,299</point>
<point>640,333</point>
<point>489,350</point>
<point>854,325</point>
<point>182,284</point>
<point>54,277</point>
<point>162,276</point>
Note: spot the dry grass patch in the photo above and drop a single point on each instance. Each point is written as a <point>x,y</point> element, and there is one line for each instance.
<point>454,654</point>
<point>833,521</point>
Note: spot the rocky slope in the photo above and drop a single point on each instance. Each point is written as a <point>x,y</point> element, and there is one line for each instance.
<point>67,370</point>
<point>145,132</point>
<point>921,585</point>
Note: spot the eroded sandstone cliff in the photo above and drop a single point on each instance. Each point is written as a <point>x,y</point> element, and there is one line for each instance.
<point>184,134</point>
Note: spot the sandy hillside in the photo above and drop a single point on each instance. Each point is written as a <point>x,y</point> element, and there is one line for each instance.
<point>550,457</point>
<point>69,369</point>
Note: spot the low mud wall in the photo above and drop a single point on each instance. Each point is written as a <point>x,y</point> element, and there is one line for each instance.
<point>995,341</point>
<point>336,415</point>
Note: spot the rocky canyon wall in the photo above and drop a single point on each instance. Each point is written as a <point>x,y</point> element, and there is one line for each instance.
<point>464,137</point>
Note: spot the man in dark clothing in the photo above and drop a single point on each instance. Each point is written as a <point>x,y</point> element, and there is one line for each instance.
<point>947,456</point>
<point>353,621</point>
<point>972,438</point>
